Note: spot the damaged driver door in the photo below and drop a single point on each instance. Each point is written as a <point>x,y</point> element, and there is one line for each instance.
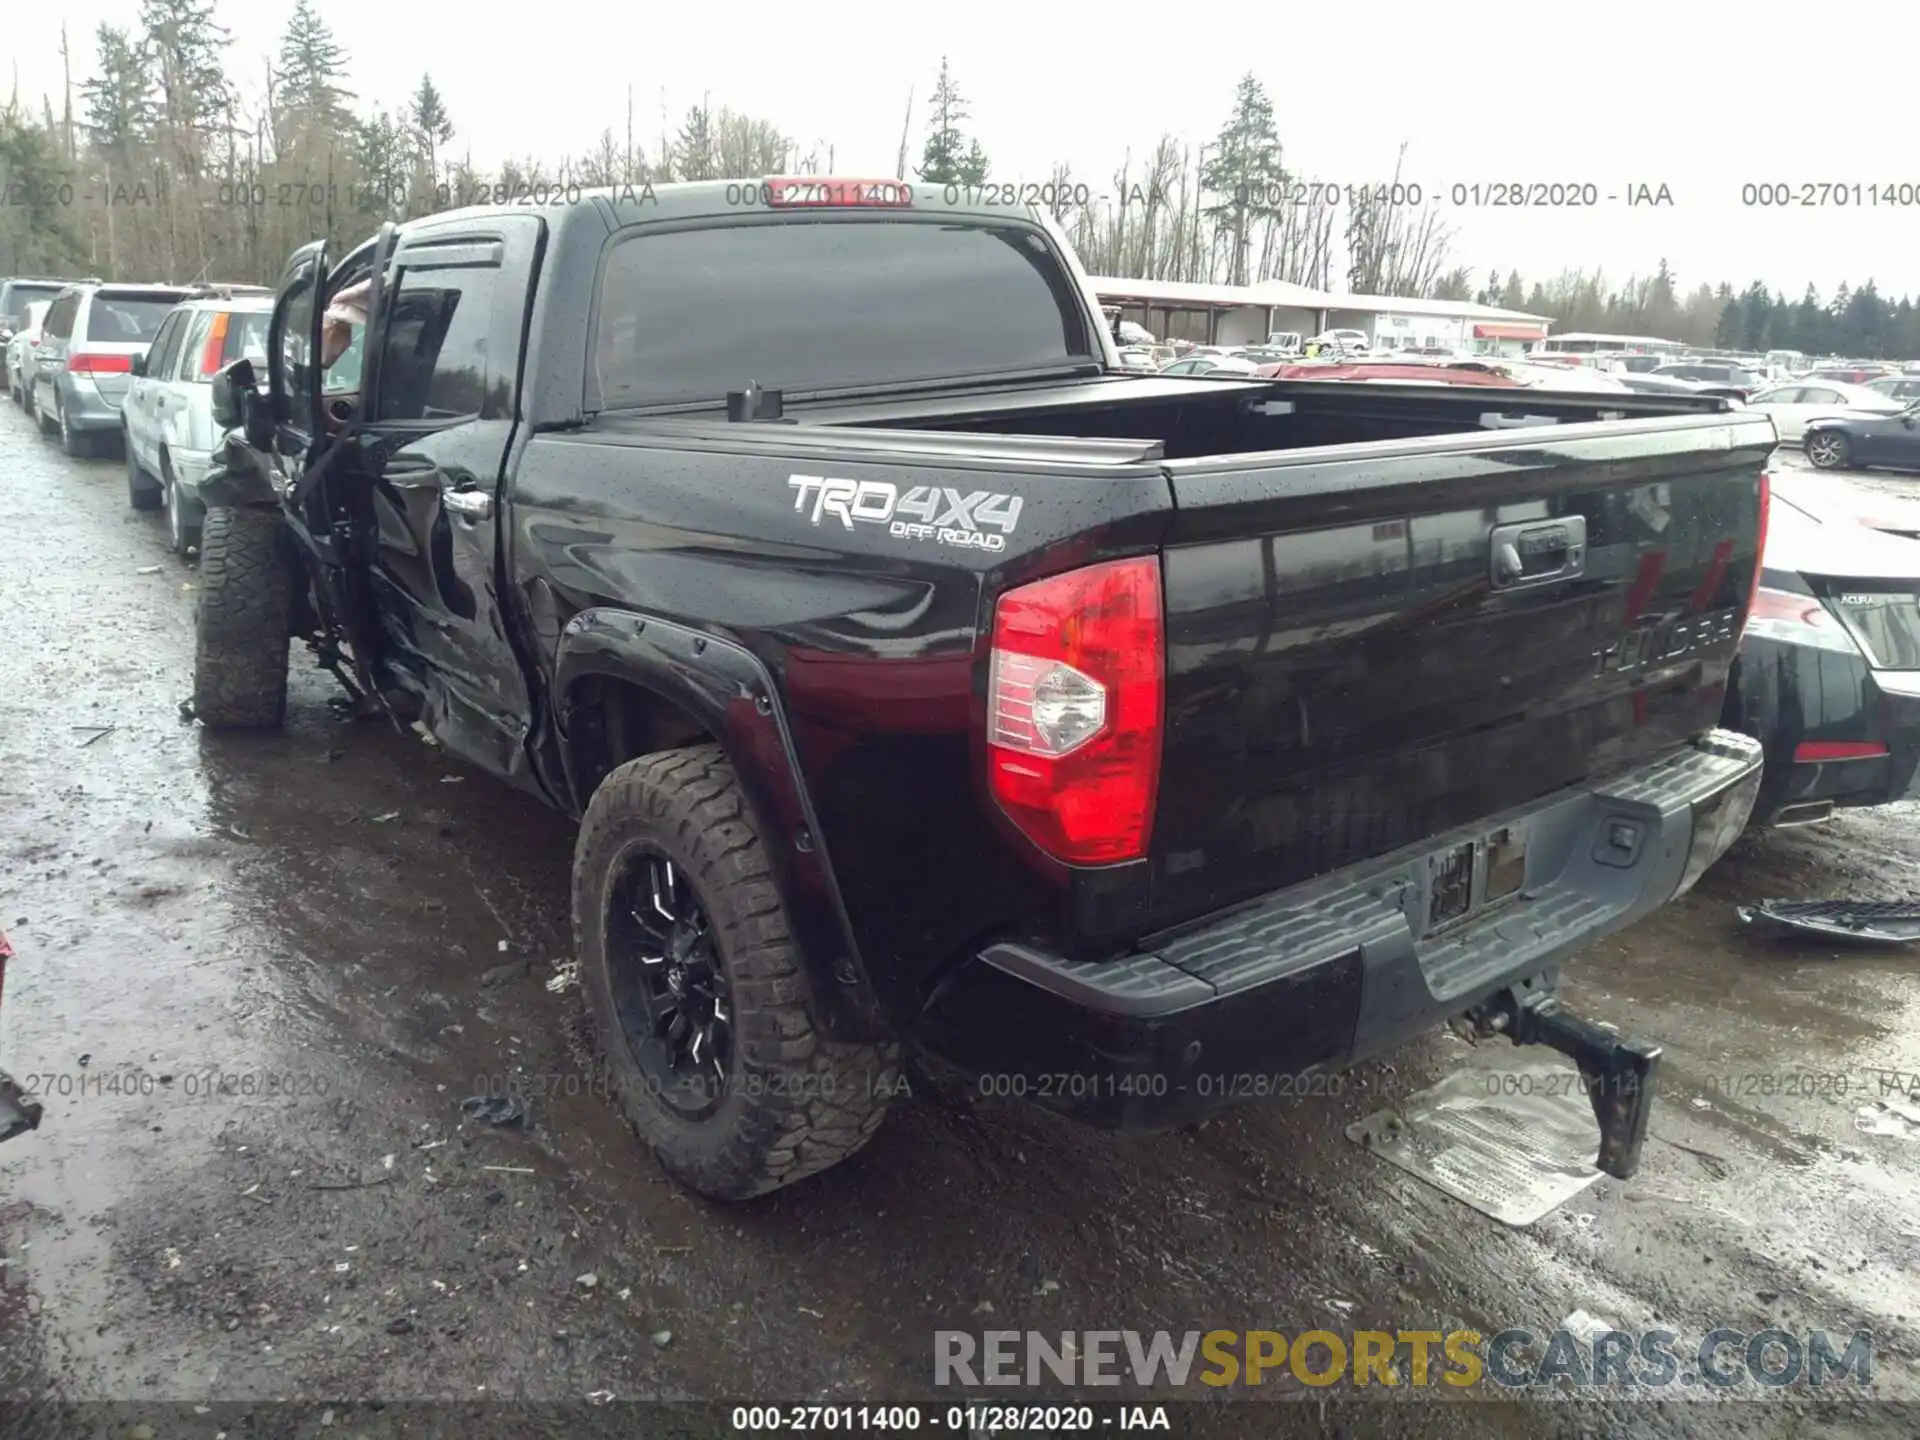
<point>293,361</point>
<point>438,404</point>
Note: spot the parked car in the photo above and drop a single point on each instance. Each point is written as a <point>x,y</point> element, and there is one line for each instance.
<point>1896,387</point>
<point>1828,678</point>
<point>1731,376</point>
<point>1645,384</point>
<point>1031,781</point>
<point>1209,365</point>
<point>1848,374</point>
<point>1544,377</point>
<point>20,348</point>
<point>84,365</point>
<point>16,295</point>
<point>1865,441</point>
<point>1793,406</point>
<point>1348,342</point>
<point>167,420</point>
<point>1411,372</point>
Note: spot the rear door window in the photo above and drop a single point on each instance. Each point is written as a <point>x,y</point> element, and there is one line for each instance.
<point>123,319</point>
<point>165,352</point>
<point>60,315</point>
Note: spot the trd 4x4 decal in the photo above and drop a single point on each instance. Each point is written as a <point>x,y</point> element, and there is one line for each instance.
<point>975,520</point>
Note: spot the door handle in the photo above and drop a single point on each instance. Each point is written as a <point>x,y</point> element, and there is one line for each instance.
<point>469,504</point>
<point>410,472</point>
<point>1538,552</point>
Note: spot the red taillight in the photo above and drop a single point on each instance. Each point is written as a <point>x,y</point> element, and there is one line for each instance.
<point>795,190</point>
<point>83,362</point>
<point>1759,547</point>
<point>1075,699</point>
<point>1815,750</point>
<point>216,345</point>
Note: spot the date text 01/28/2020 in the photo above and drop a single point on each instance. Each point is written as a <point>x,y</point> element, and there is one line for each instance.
<point>1335,194</point>
<point>957,1419</point>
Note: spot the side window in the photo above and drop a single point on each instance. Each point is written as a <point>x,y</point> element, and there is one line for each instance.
<point>59,324</point>
<point>434,364</point>
<point>165,349</point>
<point>1816,396</point>
<point>193,344</point>
<point>293,361</point>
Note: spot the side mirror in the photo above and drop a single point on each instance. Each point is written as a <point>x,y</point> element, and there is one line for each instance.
<point>139,364</point>
<point>230,385</point>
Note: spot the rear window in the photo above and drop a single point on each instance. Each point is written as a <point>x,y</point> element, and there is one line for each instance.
<point>127,319</point>
<point>803,305</point>
<point>1886,624</point>
<point>16,295</point>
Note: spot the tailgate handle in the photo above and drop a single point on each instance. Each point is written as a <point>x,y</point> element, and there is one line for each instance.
<point>1538,552</point>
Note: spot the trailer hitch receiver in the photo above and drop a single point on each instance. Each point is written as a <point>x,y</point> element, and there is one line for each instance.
<point>1616,1073</point>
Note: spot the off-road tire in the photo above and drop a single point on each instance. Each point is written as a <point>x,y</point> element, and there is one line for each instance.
<point>142,492</point>
<point>796,1103</point>
<point>241,626</point>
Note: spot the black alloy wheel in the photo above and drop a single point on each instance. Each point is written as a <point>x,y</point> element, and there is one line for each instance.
<point>669,986</point>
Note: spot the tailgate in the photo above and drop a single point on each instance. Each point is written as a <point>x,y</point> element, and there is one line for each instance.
<point>1371,644</point>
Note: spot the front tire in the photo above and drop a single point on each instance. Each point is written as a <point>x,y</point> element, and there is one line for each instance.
<point>241,629</point>
<point>184,514</point>
<point>1828,450</point>
<point>682,935</point>
<point>47,425</point>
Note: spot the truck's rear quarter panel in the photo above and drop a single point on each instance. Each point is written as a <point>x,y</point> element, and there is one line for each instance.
<point>874,640</point>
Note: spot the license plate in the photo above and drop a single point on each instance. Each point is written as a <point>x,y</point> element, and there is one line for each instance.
<point>1464,879</point>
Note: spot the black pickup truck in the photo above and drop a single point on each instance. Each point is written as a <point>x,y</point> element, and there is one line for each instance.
<point>921,679</point>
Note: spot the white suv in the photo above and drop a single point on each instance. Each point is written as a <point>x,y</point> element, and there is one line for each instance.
<point>168,415</point>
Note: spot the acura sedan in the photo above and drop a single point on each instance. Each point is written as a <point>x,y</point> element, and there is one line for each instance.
<point>1828,675</point>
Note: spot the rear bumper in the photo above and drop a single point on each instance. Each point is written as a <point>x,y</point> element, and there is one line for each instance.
<point>1268,1000</point>
<point>1800,700</point>
<point>86,408</point>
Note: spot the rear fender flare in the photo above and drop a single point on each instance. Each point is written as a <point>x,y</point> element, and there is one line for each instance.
<point>728,690</point>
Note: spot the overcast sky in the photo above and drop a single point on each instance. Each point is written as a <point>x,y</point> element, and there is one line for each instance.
<point>1698,97</point>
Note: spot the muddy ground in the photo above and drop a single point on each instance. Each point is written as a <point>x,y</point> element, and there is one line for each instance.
<point>257,977</point>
